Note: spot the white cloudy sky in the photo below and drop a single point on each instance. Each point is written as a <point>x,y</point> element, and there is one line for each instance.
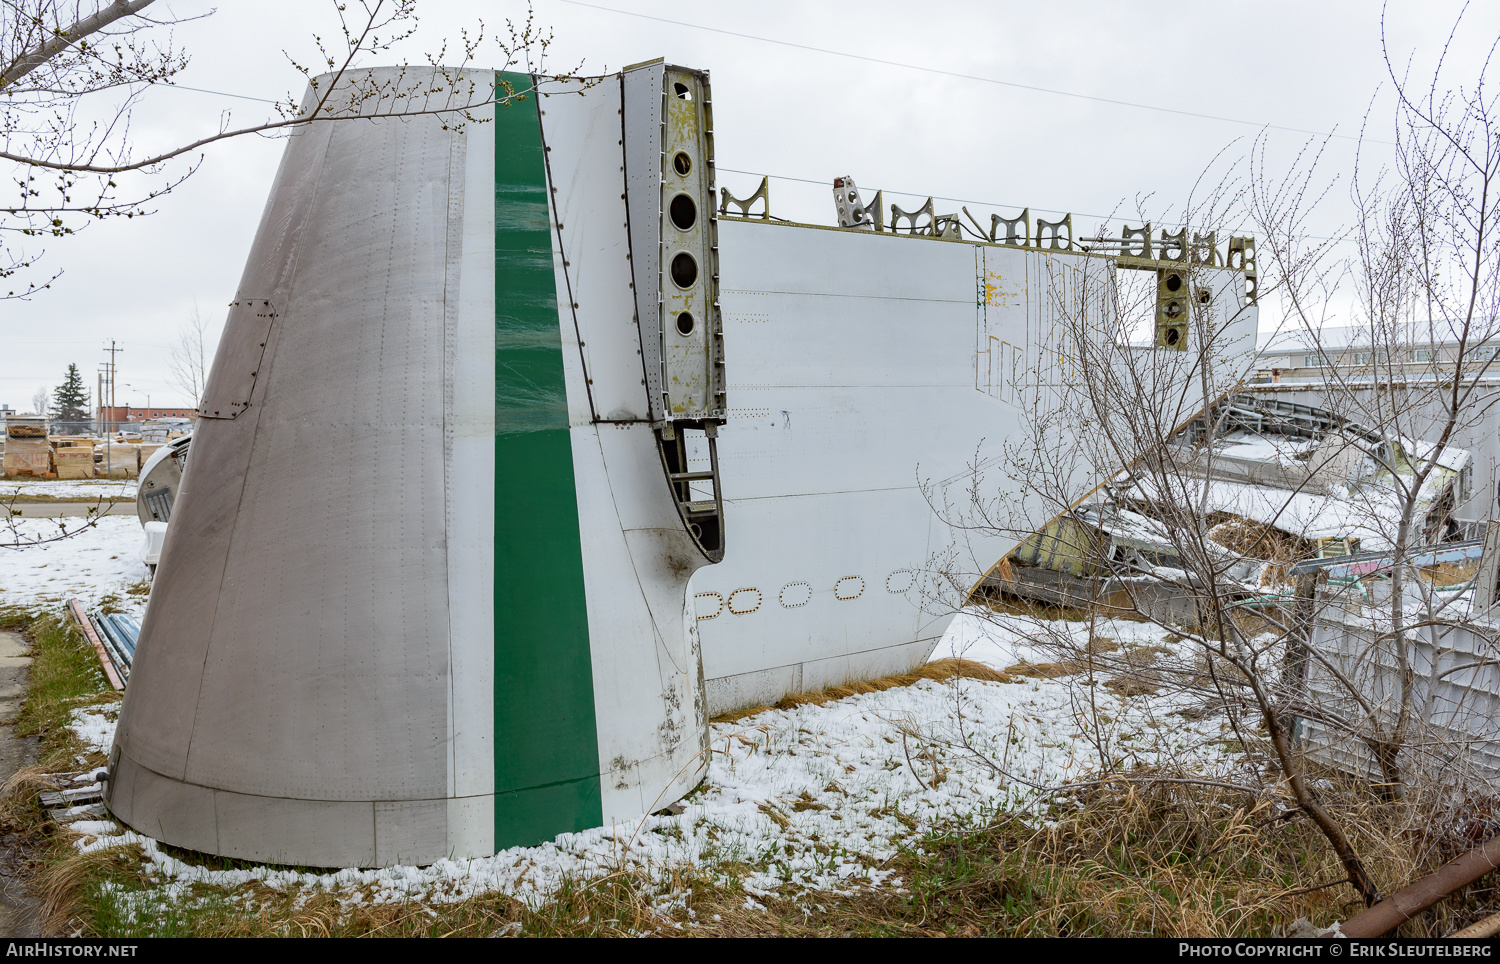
<point>784,110</point>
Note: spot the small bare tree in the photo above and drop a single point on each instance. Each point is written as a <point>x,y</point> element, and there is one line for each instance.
<point>1376,453</point>
<point>72,71</point>
<point>1418,361</point>
<point>187,365</point>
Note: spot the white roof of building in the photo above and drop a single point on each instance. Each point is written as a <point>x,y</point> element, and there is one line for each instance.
<point>1419,334</point>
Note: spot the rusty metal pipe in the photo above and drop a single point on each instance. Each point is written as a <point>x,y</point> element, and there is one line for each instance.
<point>1411,901</point>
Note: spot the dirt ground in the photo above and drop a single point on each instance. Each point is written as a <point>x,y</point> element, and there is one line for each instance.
<point>18,913</point>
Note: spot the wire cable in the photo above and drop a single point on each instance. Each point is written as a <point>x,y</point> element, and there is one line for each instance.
<point>974,77</point>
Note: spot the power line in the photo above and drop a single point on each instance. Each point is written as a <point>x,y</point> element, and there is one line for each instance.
<point>826,183</point>
<point>222,93</point>
<point>935,197</point>
<point>904,66</point>
<point>962,76</point>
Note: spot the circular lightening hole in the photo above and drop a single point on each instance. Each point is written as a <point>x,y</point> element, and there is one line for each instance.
<point>684,270</point>
<point>681,163</point>
<point>1171,335</point>
<point>1174,281</point>
<point>685,323</point>
<point>683,212</point>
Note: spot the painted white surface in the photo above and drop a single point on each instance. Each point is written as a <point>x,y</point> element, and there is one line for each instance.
<point>469,492</point>
<point>862,392</point>
<point>637,557</point>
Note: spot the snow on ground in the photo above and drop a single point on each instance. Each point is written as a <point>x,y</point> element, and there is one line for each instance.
<point>815,797</point>
<point>113,489</point>
<point>96,728</point>
<point>97,561</point>
<point>1000,640</point>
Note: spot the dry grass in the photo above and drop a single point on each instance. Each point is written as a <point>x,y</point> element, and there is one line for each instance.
<point>1118,859</point>
<point>997,600</point>
<point>937,670</point>
<point>1067,667</point>
<point>65,882</point>
<point>1258,540</point>
<point>1450,573</point>
<point>19,794</point>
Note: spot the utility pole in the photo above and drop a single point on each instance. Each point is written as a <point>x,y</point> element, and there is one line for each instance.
<point>113,370</point>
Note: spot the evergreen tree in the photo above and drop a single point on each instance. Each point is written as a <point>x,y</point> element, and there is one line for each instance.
<point>70,401</point>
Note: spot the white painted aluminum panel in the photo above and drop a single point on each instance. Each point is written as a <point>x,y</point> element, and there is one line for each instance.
<point>861,402</point>
<point>637,557</point>
<point>583,137</point>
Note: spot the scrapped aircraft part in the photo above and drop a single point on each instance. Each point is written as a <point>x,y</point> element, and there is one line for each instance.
<point>334,673</point>
<point>1487,578</point>
<point>850,208</point>
<point>913,226</point>
<point>159,480</point>
<point>667,120</point>
<point>1056,235</point>
<point>1174,246</point>
<point>1135,242</point>
<point>1017,229</point>
<point>829,423</point>
<point>761,194</point>
<point>117,634</point>
<point>1206,249</point>
<point>1171,307</point>
<point>1348,671</point>
<point>156,537</point>
<point>692,332</point>
<point>1242,258</point>
<point>702,512</point>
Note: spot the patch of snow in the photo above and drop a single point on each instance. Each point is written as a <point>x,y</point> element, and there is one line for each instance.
<point>95,562</point>
<point>1276,449</point>
<point>814,798</point>
<point>96,729</point>
<point>1371,518</point>
<point>113,489</point>
<point>94,827</point>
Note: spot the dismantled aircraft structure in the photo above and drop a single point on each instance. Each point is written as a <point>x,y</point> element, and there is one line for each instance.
<point>1350,682</point>
<point>1281,481</point>
<point>598,382</point>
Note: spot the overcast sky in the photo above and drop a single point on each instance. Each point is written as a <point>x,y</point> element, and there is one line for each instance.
<point>784,110</point>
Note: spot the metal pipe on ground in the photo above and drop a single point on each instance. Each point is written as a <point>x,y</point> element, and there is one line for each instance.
<point>76,608</point>
<point>1411,901</point>
<point>1488,927</point>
